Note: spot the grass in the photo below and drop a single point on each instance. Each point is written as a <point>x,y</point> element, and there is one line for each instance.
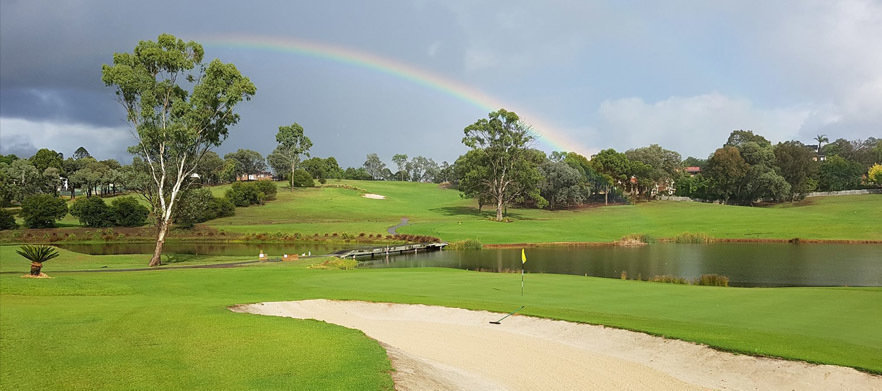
<point>10,262</point>
<point>438,212</point>
<point>171,330</point>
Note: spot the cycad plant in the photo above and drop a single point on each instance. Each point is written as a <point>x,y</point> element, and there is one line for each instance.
<point>37,255</point>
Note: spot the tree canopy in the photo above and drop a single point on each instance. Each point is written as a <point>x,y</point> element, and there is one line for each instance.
<point>179,108</point>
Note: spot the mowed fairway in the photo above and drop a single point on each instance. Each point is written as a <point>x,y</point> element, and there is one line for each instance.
<point>159,330</point>
<point>442,213</point>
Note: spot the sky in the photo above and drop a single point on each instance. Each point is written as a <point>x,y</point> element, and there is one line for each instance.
<point>392,77</point>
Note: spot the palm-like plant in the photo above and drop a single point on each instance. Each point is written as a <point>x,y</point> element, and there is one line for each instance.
<point>37,255</point>
<point>821,138</point>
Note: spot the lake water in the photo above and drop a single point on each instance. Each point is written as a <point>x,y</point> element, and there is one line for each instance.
<point>745,264</point>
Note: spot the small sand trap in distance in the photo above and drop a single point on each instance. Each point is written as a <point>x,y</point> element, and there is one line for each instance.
<point>374,196</point>
<point>439,348</point>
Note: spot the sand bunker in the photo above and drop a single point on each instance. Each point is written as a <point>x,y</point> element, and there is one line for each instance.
<point>374,196</point>
<point>438,348</point>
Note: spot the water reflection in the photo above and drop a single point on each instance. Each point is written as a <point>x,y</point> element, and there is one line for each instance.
<point>746,264</point>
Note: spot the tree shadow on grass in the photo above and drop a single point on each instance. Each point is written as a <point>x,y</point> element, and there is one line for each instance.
<point>486,213</point>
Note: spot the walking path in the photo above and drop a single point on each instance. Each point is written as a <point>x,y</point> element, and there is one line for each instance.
<point>393,229</point>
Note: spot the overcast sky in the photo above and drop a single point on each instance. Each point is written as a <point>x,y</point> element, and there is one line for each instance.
<point>617,74</point>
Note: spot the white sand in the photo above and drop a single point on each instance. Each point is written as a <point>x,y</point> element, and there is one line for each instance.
<point>438,348</point>
<point>374,196</point>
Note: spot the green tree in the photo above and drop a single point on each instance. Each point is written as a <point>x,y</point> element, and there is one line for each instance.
<point>80,153</point>
<point>42,210</point>
<point>400,160</point>
<point>726,170</point>
<point>301,178</point>
<point>174,127</point>
<point>7,220</point>
<point>127,212</point>
<point>198,205</point>
<point>738,137</point>
<point>45,158</point>
<point>37,255</point>
<point>505,170</point>
<point>821,139</point>
<point>231,170</point>
<point>796,163</point>
<point>664,164</point>
<point>210,168</point>
<point>562,185</point>
<point>614,167</point>
<point>92,212</point>
<point>374,166</point>
<point>8,159</point>
<point>251,161</point>
<point>838,173</point>
<point>292,144</point>
<point>27,180</point>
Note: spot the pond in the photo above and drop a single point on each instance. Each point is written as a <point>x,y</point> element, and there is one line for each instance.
<point>745,264</point>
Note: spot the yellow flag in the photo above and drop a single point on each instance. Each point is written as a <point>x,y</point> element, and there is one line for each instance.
<point>523,257</point>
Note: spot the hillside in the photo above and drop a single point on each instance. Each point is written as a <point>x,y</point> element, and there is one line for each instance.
<point>440,212</point>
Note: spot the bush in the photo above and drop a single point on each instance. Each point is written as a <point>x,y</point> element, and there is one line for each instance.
<point>128,212</point>
<point>244,194</point>
<point>301,178</point>
<point>41,211</point>
<point>221,207</point>
<point>198,205</point>
<point>468,244</point>
<point>712,280</point>
<point>7,220</point>
<point>268,188</point>
<point>92,212</point>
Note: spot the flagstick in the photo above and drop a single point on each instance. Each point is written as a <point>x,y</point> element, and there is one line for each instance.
<point>522,279</point>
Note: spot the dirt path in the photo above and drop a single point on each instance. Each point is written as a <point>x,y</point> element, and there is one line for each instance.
<point>393,229</point>
<point>438,348</point>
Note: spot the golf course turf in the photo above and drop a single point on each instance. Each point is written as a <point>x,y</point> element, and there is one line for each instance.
<point>171,329</point>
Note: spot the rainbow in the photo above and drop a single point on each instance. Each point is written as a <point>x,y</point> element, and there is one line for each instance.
<point>544,132</point>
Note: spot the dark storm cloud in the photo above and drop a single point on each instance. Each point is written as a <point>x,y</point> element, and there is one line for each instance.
<point>604,73</point>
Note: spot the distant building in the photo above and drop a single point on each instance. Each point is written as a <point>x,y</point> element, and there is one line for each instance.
<point>260,176</point>
<point>692,170</point>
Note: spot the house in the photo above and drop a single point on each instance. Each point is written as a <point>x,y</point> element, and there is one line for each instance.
<point>692,170</point>
<point>260,176</point>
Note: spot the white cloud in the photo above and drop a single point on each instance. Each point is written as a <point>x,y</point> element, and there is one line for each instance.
<point>695,125</point>
<point>25,136</point>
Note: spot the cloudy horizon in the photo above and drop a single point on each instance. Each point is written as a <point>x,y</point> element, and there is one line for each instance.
<point>599,74</point>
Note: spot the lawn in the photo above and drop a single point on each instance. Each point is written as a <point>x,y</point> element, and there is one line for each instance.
<point>439,212</point>
<point>171,329</point>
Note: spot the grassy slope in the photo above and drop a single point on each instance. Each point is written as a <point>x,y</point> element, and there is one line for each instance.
<point>442,213</point>
<point>170,330</point>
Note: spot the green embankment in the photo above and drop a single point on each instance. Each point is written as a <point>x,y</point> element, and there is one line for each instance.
<point>171,329</point>
<point>443,213</point>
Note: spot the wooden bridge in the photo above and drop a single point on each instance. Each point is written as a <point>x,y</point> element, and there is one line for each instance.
<point>390,250</point>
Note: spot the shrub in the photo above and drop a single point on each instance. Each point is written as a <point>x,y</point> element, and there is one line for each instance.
<point>245,194</point>
<point>468,244</point>
<point>301,178</point>
<point>268,188</point>
<point>198,205</point>
<point>42,210</point>
<point>686,237</point>
<point>92,212</point>
<point>669,279</point>
<point>128,212</point>
<point>7,220</point>
<point>712,280</point>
